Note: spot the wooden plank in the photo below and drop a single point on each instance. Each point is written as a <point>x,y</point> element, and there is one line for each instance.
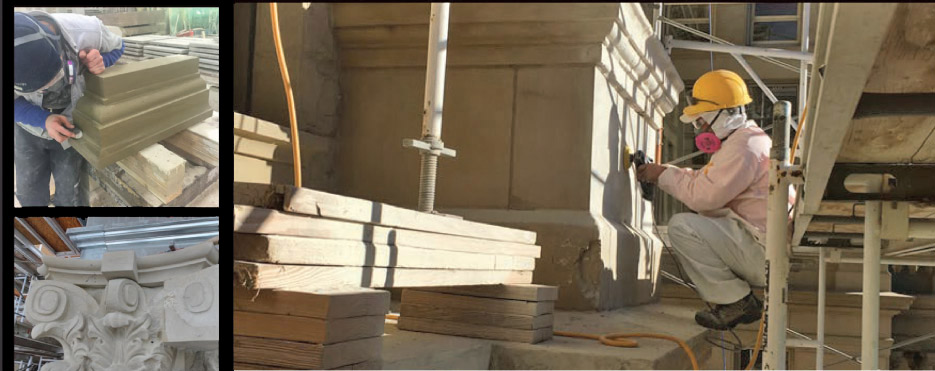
<point>248,219</point>
<point>267,196</point>
<point>313,330</point>
<point>374,364</point>
<point>917,210</point>
<point>473,303</point>
<point>316,251</point>
<point>46,232</point>
<point>161,171</point>
<point>250,366</point>
<point>132,18</point>
<point>477,317</point>
<point>324,304</point>
<point>528,292</point>
<point>312,202</point>
<point>475,331</point>
<point>254,170</point>
<point>68,222</point>
<point>198,143</point>
<point>300,355</point>
<point>304,277</point>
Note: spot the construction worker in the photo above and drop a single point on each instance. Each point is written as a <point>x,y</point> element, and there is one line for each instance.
<point>721,248</point>
<point>50,52</point>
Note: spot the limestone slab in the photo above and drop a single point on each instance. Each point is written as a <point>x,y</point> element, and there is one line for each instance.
<point>130,107</point>
<point>165,49</point>
<point>159,169</point>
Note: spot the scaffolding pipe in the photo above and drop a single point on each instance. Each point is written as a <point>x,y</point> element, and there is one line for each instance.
<point>431,145</point>
<point>745,50</point>
<point>723,42</point>
<point>822,291</point>
<point>756,78</point>
<point>803,65</point>
<point>777,240</point>
<point>870,313</point>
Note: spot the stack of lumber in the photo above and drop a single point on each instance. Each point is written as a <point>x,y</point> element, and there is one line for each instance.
<point>326,329</point>
<point>520,313</point>
<point>290,238</point>
<point>133,46</point>
<point>136,23</point>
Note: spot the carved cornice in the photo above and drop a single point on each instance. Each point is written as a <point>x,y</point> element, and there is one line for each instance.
<point>152,270</point>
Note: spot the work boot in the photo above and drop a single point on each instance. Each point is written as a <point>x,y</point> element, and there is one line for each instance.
<point>726,316</point>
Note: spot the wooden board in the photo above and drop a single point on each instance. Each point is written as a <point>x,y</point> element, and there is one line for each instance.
<point>528,292</point>
<point>300,355</point>
<point>313,330</point>
<point>312,202</point>
<point>904,62</point>
<point>917,210</point>
<point>325,304</point>
<point>475,331</point>
<point>47,233</point>
<point>477,317</point>
<point>249,366</point>
<point>198,143</point>
<point>248,219</point>
<point>473,303</point>
<point>299,277</point>
<point>374,364</point>
<point>886,139</point>
<point>68,222</point>
<point>315,251</point>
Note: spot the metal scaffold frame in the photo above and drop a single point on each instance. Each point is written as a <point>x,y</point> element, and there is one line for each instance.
<point>785,174</point>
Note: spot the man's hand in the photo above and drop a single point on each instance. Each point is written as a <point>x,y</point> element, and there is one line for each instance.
<point>56,124</point>
<point>93,60</point>
<point>649,172</point>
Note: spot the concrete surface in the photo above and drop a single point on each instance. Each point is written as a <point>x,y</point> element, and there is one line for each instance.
<point>415,350</point>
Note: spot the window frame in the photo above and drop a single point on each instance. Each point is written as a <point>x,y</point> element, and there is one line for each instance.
<point>693,22</point>
<point>753,19</point>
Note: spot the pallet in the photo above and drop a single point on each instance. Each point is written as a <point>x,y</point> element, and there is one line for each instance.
<point>127,190</point>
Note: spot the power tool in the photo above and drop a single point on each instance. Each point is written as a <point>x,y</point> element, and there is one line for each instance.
<point>636,160</point>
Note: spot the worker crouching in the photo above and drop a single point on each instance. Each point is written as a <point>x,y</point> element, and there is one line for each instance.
<point>722,247</point>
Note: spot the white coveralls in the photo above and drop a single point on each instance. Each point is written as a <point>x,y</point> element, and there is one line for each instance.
<point>720,248</point>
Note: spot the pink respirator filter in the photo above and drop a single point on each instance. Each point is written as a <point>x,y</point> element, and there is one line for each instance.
<point>707,142</point>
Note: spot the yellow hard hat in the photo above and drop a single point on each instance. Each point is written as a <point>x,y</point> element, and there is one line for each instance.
<point>716,90</point>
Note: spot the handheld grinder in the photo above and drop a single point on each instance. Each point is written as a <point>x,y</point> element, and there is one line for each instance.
<point>636,160</point>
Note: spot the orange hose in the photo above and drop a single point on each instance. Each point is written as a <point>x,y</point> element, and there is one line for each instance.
<point>795,142</point>
<point>619,339</point>
<point>759,335</point>
<point>296,162</point>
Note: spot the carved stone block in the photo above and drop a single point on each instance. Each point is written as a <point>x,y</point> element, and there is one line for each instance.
<point>191,308</point>
<point>119,264</point>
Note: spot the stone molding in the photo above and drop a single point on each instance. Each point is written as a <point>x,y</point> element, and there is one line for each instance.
<point>111,322</point>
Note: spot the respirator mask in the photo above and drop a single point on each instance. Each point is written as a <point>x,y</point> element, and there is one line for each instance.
<point>722,123</point>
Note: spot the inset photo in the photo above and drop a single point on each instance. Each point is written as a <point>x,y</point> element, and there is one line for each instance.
<point>132,293</point>
<point>116,106</point>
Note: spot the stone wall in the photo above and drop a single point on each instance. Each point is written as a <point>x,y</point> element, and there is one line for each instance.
<point>311,58</point>
<point>540,102</point>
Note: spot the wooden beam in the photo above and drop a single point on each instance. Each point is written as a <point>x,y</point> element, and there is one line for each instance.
<point>249,219</point>
<point>43,233</point>
<point>313,330</point>
<point>198,143</point>
<point>325,304</point>
<point>312,202</point>
<point>472,303</point>
<point>300,355</point>
<point>475,331</point>
<point>304,277</point>
<point>477,317</point>
<point>315,251</point>
<point>530,292</point>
